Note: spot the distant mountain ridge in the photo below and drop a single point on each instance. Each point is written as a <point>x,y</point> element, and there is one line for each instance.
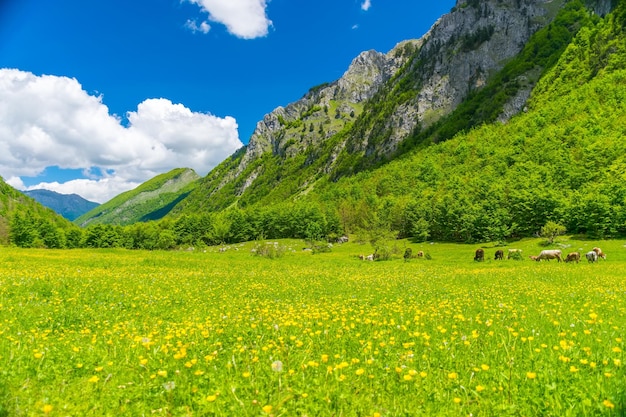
<point>70,206</point>
<point>152,200</point>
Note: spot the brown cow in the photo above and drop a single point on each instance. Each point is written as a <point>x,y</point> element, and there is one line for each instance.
<point>479,255</point>
<point>420,254</point>
<point>499,254</point>
<point>572,257</point>
<point>599,252</point>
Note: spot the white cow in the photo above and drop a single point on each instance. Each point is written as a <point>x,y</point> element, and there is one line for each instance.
<point>549,254</point>
<point>591,256</point>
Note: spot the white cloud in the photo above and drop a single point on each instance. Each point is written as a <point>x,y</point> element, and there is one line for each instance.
<point>192,25</point>
<point>365,6</point>
<point>99,191</point>
<point>51,121</point>
<point>243,18</point>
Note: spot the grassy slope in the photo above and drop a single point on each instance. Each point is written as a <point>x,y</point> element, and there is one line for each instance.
<point>13,201</point>
<point>150,201</point>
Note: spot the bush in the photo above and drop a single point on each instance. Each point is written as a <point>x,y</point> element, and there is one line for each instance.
<point>271,250</point>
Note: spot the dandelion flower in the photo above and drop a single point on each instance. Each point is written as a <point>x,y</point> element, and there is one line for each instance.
<point>246,374</point>
<point>453,375</point>
<point>479,388</point>
<point>531,375</point>
<point>47,408</point>
<point>608,404</point>
<point>484,367</point>
<point>457,400</point>
<point>211,398</point>
<point>94,379</point>
<point>162,373</point>
<point>360,371</point>
<point>277,366</point>
<point>268,408</point>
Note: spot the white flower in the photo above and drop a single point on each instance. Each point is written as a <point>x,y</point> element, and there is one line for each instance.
<point>277,366</point>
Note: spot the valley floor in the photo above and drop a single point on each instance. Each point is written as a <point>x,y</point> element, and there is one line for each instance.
<point>126,333</point>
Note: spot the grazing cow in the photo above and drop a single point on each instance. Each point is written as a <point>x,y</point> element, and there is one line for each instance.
<point>369,257</point>
<point>479,255</point>
<point>514,253</point>
<point>591,256</point>
<point>499,254</point>
<point>572,257</point>
<point>549,254</point>
<point>420,254</point>
<point>534,258</point>
<point>599,252</point>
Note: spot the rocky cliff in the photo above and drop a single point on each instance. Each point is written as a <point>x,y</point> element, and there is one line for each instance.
<point>384,98</point>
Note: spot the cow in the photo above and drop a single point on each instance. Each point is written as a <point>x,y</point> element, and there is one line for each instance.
<point>572,257</point>
<point>499,254</point>
<point>599,252</point>
<point>513,253</point>
<point>479,255</point>
<point>420,254</point>
<point>591,256</point>
<point>369,257</point>
<point>534,258</point>
<point>549,254</point>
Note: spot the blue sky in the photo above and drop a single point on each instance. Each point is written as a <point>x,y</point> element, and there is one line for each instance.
<point>99,96</point>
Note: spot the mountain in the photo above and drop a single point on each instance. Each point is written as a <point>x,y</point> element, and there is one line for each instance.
<point>69,206</point>
<point>478,64</point>
<point>150,201</point>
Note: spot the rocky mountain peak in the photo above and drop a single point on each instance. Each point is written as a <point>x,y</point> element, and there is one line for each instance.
<point>457,56</point>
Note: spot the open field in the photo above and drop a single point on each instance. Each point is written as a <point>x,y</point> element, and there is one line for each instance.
<point>130,333</point>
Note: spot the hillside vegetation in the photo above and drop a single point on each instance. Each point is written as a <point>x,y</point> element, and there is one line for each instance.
<point>561,160</point>
<point>150,201</point>
<point>26,223</point>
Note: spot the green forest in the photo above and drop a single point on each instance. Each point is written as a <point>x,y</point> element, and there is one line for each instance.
<point>468,178</point>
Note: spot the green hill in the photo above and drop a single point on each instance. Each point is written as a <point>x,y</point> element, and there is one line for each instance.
<point>24,222</point>
<point>150,201</point>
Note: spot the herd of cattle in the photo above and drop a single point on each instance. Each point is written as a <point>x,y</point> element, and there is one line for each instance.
<point>592,255</point>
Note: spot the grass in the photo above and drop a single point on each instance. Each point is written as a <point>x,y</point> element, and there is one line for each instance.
<point>114,332</point>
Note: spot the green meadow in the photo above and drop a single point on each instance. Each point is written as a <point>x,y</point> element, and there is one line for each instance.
<point>210,333</point>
